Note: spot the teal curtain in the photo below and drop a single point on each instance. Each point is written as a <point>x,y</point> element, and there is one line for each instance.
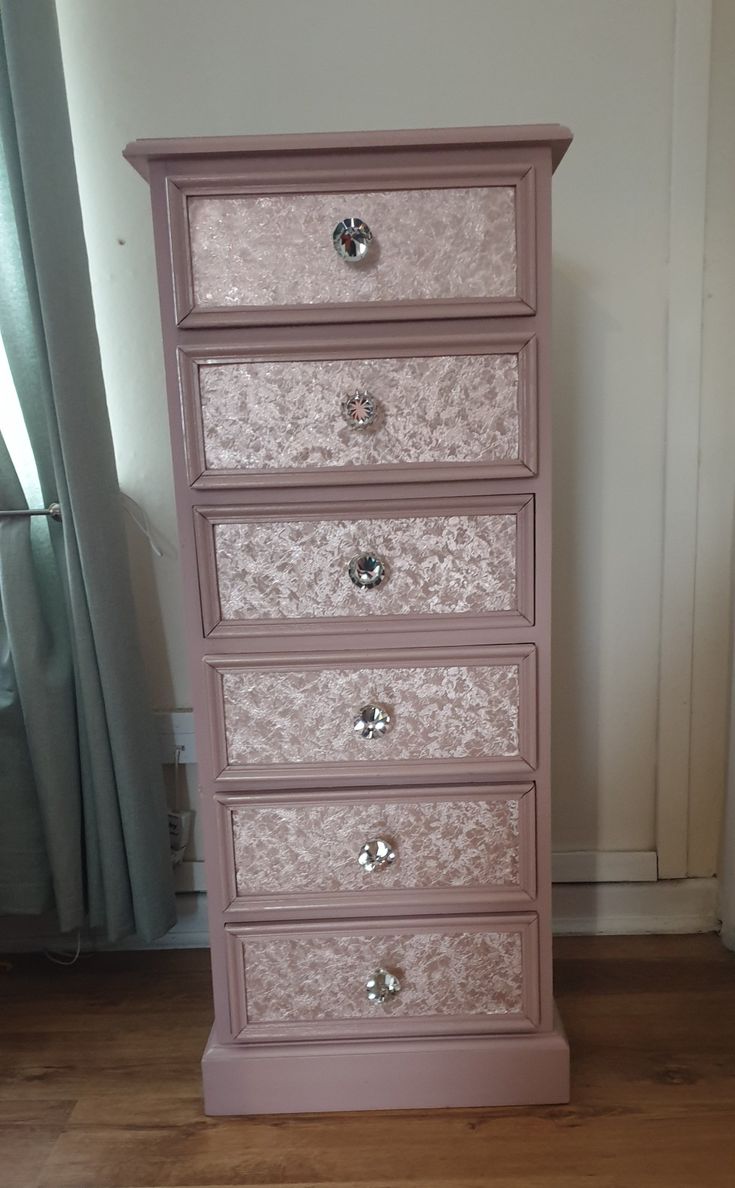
<point>83,827</point>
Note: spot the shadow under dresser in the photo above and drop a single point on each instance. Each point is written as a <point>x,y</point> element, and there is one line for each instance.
<point>356,339</point>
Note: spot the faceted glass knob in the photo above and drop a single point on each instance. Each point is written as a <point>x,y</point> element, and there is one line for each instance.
<point>351,239</point>
<point>359,410</point>
<point>382,986</point>
<point>366,571</point>
<point>376,854</point>
<point>372,722</point>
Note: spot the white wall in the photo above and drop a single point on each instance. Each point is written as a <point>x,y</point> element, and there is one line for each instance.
<point>611,70</point>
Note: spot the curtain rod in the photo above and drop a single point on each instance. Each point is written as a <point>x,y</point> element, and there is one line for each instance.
<point>52,510</point>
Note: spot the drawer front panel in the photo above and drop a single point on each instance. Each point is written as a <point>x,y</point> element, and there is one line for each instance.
<point>274,715</point>
<point>268,417</point>
<point>469,976</point>
<point>276,250</point>
<point>262,569</point>
<point>284,853</point>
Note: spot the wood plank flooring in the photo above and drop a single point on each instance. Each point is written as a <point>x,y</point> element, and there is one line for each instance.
<point>99,1085</point>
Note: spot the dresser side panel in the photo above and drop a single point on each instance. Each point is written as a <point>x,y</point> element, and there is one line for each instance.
<point>543,488</point>
<point>190,588</point>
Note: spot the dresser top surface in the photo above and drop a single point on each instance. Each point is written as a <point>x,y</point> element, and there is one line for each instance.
<point>141,152</point>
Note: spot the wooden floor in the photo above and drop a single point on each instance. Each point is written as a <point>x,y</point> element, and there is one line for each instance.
<point>99,1085</point>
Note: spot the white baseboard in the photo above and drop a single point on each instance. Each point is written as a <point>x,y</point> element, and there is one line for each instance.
<point>682,905</point>
<point>604,866</point>
<point>569,866</point>
<point>191,931</point>
<point>580,909</point>
<point>190,876</point>
<point>672,905</point>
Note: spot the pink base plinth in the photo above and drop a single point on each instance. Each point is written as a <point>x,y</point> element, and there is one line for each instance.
<point>408,1074</point>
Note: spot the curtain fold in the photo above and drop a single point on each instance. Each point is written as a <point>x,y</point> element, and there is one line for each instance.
<point>81,782</point>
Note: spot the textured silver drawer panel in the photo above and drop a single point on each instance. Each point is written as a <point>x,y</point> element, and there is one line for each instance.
<point>259,250</point>
<point>471,975</point>
<point>245,418</point>
<point>265,568</point>
<point>267,715</point>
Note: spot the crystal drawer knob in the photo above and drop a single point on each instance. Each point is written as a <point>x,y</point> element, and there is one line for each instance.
<point>376,854</point>
<point>366,571</point>
<point>359,410</point>
<point>351,239</point>
<point>382,986</point>
<point>372,722</point>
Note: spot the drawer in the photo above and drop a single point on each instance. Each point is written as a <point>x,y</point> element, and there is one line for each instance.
<point>252,418</point>
<point>467,976</point>
<point>468,563</point>
<point>423,713</point>
<point>247,257</point>
<point>354,853</point>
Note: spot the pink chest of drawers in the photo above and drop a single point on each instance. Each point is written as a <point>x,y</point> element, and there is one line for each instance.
<point>356,332</point>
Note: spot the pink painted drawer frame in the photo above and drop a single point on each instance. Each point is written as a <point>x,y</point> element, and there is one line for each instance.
<point>407,771</point>
<point>399,1072</point>
<point>374,899</point>
<point>383,1026</point>
<point>206,517</point>
<point>371,170</point>
<point>312,344</point>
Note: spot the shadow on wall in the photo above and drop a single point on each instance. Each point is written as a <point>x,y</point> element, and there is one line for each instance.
<point>585,751</point>
<point>147,602</point>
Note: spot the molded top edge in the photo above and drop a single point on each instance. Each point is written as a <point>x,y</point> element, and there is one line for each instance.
<point>141,152</point>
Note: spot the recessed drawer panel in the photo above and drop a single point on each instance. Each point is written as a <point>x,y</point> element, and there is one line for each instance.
<point>368,250</point>
<point>469,976</point>
<point>424,713</point>
<point>368,564</point>
<point>249,420</point>
<point>355,853</point>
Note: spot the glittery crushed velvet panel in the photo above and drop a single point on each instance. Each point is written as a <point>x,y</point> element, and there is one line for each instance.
<point>443,843</point>
<point>286,415</point>
<point>428,244</point>
<point>311,978</point>
<point>307,715</point>
<point>298,569</point>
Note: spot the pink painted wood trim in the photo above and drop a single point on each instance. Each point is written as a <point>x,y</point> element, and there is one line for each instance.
<point>498,1070</point>
<point>474,1063</point>
<point>299,497</point>
<point>464,336</point>
<point>376,171</point>
<point>413,636</point>
<point>329,775</point>
<point>525,207</point>
<point>206,518</point>
<point>555,136</point>
<point>426,1025</point>
<point>543,488</point>
<point>415,342</point>
<point>373,900</point>
<point>182,268</point>
<point>310,176</point>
